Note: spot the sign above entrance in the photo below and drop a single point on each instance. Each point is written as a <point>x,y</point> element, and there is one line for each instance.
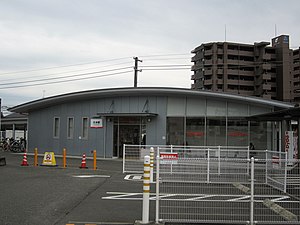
<point>96,123</point>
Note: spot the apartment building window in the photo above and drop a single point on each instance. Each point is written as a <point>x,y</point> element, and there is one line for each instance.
<point>85,127</point>
<point>70,128</point>
<point>56,127</point>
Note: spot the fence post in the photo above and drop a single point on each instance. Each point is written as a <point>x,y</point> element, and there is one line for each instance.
<point>266,176</point>
<point>157,187</point>
<point>252,193</point>
<point>35,157</point>
<point>151,163</point>
<point>285,172</point>
<point>124,152</point>
<point>208,156</point>
<point>248,157</point>
<point>219,160</point>
<point>146,190</point>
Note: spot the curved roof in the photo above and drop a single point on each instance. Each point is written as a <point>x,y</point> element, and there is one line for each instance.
<point>140,91</point>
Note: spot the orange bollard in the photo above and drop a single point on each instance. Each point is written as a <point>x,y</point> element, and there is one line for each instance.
<point>95,159</point>
<point>64,158</point>
<point>35,157</point>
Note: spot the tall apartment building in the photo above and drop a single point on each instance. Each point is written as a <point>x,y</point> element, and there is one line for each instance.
<point>248,69</point>
<point>296,74</point>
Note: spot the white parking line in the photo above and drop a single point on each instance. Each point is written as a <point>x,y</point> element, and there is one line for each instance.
<point>202,197</point>
<point>91,176</point>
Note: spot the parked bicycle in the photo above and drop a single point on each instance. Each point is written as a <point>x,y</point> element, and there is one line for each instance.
<point>13,145</point>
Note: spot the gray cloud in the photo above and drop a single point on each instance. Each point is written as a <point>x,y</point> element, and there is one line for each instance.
<point>46,33</point>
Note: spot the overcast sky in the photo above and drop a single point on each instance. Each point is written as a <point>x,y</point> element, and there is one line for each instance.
<point>50,47</point>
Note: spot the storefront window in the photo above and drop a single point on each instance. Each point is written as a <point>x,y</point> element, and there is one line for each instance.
<point>175,131</point>
<point>195,131</point>
<point>216,131</point>
<point>260,134</point>
<point>237,133</point>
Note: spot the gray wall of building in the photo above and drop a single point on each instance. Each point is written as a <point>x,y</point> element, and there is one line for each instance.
<point>101,139</point>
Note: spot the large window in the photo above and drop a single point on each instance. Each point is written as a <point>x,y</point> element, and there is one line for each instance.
<point>216,131</point>
<point>70,128</point>
<point>260,134</point>
<point>175,131</point>
<point>195,131</point>
<point>237,132</point>
<point>85,128</point>
<point>56,126</point>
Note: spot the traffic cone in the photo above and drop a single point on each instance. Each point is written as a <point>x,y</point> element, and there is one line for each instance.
<point>24,162</point>
<point>83,162</point>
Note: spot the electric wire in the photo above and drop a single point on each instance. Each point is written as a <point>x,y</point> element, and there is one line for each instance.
<point>63,66</point>
<point>65,72</point>
<point>63,77</point>
<point>64,81</point>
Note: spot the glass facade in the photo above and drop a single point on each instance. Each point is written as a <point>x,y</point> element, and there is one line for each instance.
<point>214,131</point>
<point>175,131</point>
<point>195,131</point>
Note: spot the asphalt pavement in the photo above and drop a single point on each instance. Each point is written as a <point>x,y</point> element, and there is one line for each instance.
<point>57,196</point>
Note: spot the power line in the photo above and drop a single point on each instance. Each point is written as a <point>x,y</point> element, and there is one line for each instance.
<point>66,72</point>
<point>64,81</point>
<point>63,66</point>
<point>62,77</point>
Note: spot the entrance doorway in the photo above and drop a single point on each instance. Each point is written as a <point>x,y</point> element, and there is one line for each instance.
<point>128,130</point>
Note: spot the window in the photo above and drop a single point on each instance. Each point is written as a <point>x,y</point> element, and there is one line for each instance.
<point>216,131</point>
<point>195,131</point>
<point>70,128</point>
<point>85,126</point>
<point>175,130</point>
<point>237,132</point>
<point>56,126</point>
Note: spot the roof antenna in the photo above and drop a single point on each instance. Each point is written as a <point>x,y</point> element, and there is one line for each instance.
<point>275,30</point>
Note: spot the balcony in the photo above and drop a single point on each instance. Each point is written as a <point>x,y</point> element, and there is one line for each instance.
<point>220,71</point>
<point>197,57</point>
<point>208,62</point>
<point>208,52</point>
<point>266,57</point>
<point>246,53</point>
<point>233,72</point>
<point>266,76</point>
<point>193,77</point>
<point>266,87</point>
<point>196,67</point>
<point>232,82</point>
<point>208,72</point>
<point>266,66</point>
<point>220,81</point>
<point>208,82</point>
<point>246,92</point>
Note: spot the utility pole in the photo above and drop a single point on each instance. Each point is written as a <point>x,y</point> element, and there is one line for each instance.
<point>136,70</point>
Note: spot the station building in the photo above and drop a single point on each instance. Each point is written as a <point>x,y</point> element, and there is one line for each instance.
<point>105,119</point>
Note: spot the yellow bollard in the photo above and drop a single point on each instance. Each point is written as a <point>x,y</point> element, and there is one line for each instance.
<point>35,157</point>
<point>95,159</point>
<point>64,158</point>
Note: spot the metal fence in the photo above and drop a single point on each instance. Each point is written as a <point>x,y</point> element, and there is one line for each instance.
<point>133,155</point>
<point>228,190</point>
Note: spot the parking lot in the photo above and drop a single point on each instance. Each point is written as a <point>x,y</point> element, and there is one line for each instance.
<point>58,196</point>
<point>45,195</point>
